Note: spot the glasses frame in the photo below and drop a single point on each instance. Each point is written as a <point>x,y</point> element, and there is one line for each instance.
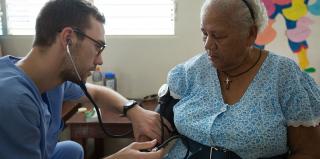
<point>101,45</point>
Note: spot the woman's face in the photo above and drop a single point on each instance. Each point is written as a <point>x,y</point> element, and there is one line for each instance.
<point>225,43</point>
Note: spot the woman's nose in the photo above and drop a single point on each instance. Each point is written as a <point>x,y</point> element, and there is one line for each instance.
<point>210,44</point>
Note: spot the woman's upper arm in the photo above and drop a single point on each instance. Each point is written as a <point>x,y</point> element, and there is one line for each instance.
<point>304,142</point>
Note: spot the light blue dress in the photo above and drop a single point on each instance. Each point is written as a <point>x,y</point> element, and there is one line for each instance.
<point>279,96</point>
<point>30,122</point>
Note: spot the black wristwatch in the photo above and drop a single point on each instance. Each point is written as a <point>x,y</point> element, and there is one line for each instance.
<point>130,104</point>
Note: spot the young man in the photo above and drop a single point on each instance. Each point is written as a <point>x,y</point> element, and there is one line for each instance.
<point>68,44</point>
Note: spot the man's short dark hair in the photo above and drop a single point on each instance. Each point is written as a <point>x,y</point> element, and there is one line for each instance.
<point>58,14</point>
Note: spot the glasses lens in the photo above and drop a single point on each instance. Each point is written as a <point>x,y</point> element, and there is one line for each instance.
<point>99,45</point>
<point>101,49</point>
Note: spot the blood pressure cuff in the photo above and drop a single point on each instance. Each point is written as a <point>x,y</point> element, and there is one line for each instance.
<point>166,103</point>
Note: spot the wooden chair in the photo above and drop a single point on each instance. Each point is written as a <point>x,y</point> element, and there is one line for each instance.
<point>69,109</point>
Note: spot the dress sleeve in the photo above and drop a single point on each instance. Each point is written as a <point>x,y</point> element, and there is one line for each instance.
<point>72,91</point>
<point>299,96</point>
<point>177,81</point>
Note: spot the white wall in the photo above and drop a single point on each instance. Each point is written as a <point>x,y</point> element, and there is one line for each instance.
<point>141,63</point>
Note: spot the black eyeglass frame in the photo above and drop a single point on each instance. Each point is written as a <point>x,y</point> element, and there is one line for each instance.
<point>101,45</point>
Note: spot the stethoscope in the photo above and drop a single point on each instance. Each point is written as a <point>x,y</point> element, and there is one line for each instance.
<point>85,91</point>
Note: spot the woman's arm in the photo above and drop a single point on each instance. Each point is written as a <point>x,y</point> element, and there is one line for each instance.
<point>304,142</point>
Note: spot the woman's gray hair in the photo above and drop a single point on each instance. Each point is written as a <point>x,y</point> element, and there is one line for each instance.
<point>242,15</point>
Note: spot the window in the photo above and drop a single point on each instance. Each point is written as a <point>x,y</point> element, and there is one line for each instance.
<point>21,19</point>
<point>123,17</point>
<point>1,23</point>
<point>1,33</point>
<point>138,17</point>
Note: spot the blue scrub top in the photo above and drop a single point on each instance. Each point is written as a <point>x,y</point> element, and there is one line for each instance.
<point>30,121</point>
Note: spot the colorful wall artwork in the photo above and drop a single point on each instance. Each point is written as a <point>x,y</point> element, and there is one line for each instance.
<point>298,17</point>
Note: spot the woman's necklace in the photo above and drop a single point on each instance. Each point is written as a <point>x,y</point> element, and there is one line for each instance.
<point>228,80</point>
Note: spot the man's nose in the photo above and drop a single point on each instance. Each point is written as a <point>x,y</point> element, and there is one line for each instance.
<point>98,60</point>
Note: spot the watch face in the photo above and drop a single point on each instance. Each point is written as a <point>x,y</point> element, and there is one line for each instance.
<point>163,90</point>
<point>129,103</point>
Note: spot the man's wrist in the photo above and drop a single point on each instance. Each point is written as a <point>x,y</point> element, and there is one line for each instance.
<point>130,104</point>
<point>132,112</point>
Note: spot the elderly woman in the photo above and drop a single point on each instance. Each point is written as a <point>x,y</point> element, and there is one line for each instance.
<point>238,101</point>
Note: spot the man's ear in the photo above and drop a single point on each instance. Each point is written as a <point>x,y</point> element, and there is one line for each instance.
<point>65,36</point>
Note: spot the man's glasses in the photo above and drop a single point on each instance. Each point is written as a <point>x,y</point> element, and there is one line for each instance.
<point>99,45</point>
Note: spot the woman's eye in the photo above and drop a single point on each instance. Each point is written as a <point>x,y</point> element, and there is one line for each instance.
<point>204,36</point>
<point>217,36</point>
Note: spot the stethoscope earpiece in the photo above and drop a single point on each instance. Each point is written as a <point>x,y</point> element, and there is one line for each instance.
<point>69,41</point>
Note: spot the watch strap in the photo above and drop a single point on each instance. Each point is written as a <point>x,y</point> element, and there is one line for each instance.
<point>126,108</point>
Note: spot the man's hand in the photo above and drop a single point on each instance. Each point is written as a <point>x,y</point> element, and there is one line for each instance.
<point>132,151</point>
<point>146,124</point>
